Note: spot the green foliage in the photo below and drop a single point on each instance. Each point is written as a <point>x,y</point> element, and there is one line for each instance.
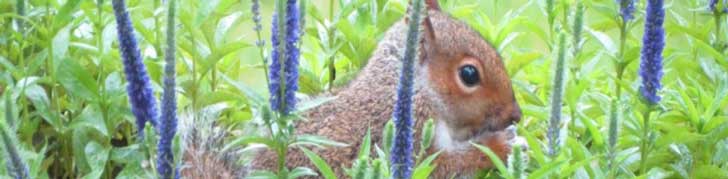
<point>368,165</point>
<point>60,69</point>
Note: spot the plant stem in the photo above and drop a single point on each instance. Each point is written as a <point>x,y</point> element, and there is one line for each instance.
<point>103,104</point>
<point>20,6</point>
<point>282,148</point>
<point>717,26</point>
<point>157,33</point>
<point>282,152</point>
<point>622,39</point>
<point>330,31</point>
<point>213,77</point>
<point>645,139</point>
<point>565,11</point>
<point>261,52</point>
<point>281,10</point>
<point>557,99</point>
<point>614,118</point>
<point>261,46</point>
<point>717,16</point>
<point>194,91</point>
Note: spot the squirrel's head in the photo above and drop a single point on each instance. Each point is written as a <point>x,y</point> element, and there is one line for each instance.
<point>472,90</point>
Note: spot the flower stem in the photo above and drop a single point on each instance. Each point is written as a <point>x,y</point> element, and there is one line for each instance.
<point>281,8</point>
<point>281,23</point>
<point>614,118</point>
<point>717,16</point>
<point>168,122</point>
<point>557,99</point>
<point>20,7</point>
<point>282,152</point>
<point>261,52</point>
<point>260,43</point>
<point>332,59</point>
<point>645,139</point>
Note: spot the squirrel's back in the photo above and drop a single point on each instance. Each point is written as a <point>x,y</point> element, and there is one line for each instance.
<point>366,103</point>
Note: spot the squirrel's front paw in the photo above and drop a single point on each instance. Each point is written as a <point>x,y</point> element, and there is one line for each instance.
<point>515,140</point>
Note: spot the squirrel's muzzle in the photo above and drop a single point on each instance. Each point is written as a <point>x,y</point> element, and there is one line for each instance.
<point>515,115</point>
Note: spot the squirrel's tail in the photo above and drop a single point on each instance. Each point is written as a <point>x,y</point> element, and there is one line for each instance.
<point>203,147</point>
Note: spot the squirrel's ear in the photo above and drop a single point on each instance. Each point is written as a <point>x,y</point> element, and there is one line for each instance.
<point>428,38</point>
<point>432,5</point>
<point>429,31</point>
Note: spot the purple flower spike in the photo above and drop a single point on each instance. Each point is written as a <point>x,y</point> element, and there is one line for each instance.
<point>626,9</point>
<point>168,123</point>
<point>141,97</point>
<point>712,4</point>
<point>402,161</point>
<point>291,54</point>
<point>653,42</point>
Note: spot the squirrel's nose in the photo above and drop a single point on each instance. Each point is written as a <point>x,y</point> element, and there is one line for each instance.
<point>515,115</point>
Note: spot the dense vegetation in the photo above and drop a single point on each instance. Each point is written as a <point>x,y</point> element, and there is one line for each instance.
<point>66,112</point>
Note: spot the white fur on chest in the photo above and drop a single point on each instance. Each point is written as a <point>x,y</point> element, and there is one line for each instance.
<point>444,139</point>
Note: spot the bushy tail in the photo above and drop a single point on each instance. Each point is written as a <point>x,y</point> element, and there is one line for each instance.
<point>203,143</point>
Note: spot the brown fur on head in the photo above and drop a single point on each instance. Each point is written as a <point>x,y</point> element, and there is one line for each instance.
<point>467,76</point>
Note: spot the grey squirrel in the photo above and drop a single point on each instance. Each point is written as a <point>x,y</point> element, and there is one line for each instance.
<point>460,81</point>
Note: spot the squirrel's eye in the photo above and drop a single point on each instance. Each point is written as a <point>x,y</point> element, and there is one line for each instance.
<point>469,75</point>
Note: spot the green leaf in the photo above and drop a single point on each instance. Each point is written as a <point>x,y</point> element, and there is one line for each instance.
<point>41,102</point>
<point>605,40</point>
<point>300,172</point>
<point>571,168</point>
<point>65,14</point>
<point>497,162</point>
<point>593,130</point>
<point>97,158</point>
<point>91,117</point>
<point>427,135</point>
<point>310,83</point>
<point>310,104</point>
<point>692,110</point>
<point>656,173</point>
<point>317,141</point>
<point>77,81</point>
<point>520,61</point>
<point>245,140</point>
<point>721,153</point>
<point>204,11</point>
<point>128,154</point>
<point>365,146</point>
<point>547,170</point>
<point>322,166</point>
<point>250,94</point>
<point>135,172</point>
<point>262,175</point>
<point>113,85</point>
<point>425,168</point>
<point>388,137</point>
<point>108,36</point>
<point>61,42</point>
<point>218,54</point>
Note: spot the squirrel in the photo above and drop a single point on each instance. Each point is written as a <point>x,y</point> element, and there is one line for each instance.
<point>460,81</point>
